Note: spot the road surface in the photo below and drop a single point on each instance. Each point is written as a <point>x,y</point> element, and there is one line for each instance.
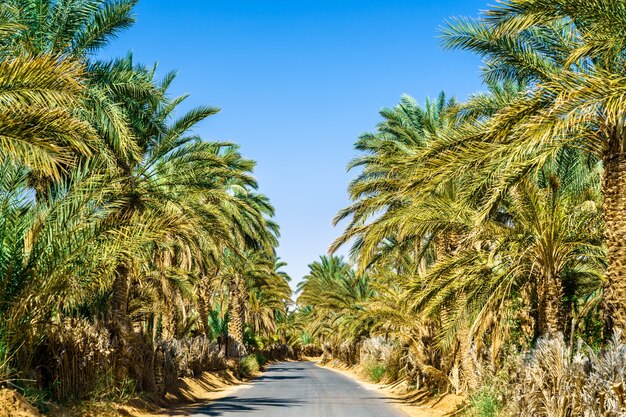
<point>302,389</point>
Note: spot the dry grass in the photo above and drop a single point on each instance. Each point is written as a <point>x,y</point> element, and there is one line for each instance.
<point>558,381</point>
<point>78,358</point>
<point>188,357</point>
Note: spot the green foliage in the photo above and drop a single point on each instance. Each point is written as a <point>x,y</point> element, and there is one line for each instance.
<point>109,389</point>
<point>485,403</point>
<point>252,340</point>
<point>375,371</point>
<point>261,359</point>
<point>306,338</point>
<point>5,357</point>
<point>217,323</point>
<point>333,293</point>
<point>249,365</point>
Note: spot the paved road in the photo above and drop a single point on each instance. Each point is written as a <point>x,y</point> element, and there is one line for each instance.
<point>301,389</point>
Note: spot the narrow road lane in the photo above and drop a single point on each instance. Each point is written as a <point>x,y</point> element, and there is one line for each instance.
<point>301,389</point>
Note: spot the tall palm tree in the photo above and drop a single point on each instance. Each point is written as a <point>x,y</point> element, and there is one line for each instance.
<point>74,30</point>
<point>248,276</point>
<point>38,125</point>
<point>392,213</point>
<point>71,28</point>
<point>381,210</point>
<point>269,296</point>
<point>570,53</point>
<point>337,297</point>
<point>545,241</point>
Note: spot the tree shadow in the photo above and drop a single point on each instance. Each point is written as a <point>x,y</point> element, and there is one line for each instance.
<point>234,404</point>
<point>285,367</point>
<point>277,377</point>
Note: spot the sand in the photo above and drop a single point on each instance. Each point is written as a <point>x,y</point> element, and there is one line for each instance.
<point>13,404</point>
<point>189,393</point>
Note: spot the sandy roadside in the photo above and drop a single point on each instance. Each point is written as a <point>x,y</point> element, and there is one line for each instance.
<point>181,400</point>
<point>193,393</point>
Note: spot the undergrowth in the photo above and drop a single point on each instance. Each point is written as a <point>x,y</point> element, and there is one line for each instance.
<point>485,402</point>
<point>249,365</point>
<point>375,371</point>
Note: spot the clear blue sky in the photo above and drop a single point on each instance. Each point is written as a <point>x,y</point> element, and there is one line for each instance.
<point>297,82</point>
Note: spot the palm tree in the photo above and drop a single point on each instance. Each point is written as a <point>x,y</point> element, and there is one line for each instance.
<point>337,298</point>
<point>257,292</point>
<point>382,211</point>
<point>544,245</point>
<point>71,31</point>
<point>269,296</point>
<point>392,213</point>
<point>38,125</point>
<point>58,253</point>
<point>177,173</point>
<point>218,326</point>
<point>71,28</point>
<point>570,55</point>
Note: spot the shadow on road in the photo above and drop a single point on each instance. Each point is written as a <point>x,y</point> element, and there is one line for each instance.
<point>234,404</point>
<point>286,368</point>
<point>277,378</point>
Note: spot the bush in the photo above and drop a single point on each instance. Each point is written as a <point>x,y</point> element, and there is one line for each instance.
<point>260,358</point>
<point>485,403</point>
<point>378,350</point>
<point>190,357</point>
<point>73,359</point>
<point>375,371</point>
<point>249,365</point>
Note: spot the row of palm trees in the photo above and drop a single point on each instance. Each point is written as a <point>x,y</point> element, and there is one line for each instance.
<point>482,226</point>
<point>112,210</point>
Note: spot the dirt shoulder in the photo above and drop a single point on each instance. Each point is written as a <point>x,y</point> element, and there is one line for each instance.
<point>194,392</point>
<point>13,404</point>
<point>438,407</point>
<point>186,396</point>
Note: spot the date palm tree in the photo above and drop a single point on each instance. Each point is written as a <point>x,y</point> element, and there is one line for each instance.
<point>382,211</point>
<point>544,246</point>
<point>336,297</point>
<point>268,299</point>
<point>38,124</point>
<point>570,54</point>
<point>73,28</point>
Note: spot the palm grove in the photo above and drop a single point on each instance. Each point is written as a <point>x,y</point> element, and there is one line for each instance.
<point>120,228</point>
<point>491,228</point>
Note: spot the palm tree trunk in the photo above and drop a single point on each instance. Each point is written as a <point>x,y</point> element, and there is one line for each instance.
<point>119,303</point>
<point>553,294</point>
<point>468,369</point>
<point>528,314</point>
<point>203,309</point>
<point>235,320</point>
<point>615,220</point>
<point>167,322</point>
<point>119,325</point>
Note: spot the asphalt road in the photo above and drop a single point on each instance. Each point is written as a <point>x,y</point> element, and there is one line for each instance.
<point>302,389</point>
